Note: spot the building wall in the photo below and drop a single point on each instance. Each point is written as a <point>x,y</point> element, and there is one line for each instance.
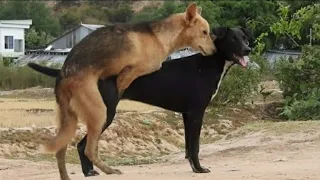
<point>17,33</point>
<point>71,38</point>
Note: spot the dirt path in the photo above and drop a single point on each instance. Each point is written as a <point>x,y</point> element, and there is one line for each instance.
<point>255,156</point>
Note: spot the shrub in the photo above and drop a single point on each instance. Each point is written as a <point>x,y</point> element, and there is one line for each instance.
<point>306,107</point>
<point>240,83</point>
<point>13,77</point>
<point>300,81</point>
<point>7,61</point>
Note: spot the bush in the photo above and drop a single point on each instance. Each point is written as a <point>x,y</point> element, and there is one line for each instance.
<point>7,61</point>
<point>240,83</point>
<point>300,81</point>
<point>306,107</point>
<point>13,77</point>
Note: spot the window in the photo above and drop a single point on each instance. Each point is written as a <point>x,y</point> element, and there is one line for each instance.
<point>8,42</point>
<point>18,45</point>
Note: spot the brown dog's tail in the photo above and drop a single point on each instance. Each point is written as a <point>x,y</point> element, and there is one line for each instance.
<point>67,130</point>
<point>44,70</point>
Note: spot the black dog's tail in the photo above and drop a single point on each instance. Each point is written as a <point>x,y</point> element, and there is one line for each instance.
<point>44,70</point>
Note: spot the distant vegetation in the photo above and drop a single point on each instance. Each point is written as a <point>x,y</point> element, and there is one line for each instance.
<point>274,24</point>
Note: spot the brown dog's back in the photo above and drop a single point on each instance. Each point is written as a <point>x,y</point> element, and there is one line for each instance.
<point>107,43</point>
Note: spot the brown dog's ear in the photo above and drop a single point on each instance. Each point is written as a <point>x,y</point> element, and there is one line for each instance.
<point>199,10</point>
<point>220,32</point>
<point>191,13</point>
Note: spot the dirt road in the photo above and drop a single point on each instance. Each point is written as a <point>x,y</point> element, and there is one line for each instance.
<point>255,156</point>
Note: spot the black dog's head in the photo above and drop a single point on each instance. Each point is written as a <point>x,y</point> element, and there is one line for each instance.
<point>233,44</point>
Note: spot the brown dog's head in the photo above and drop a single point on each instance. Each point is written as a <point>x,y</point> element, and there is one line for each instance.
<point>197,31</point>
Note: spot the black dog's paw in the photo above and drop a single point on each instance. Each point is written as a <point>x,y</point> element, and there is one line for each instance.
<point>201,170</point>
<point>92,173</point>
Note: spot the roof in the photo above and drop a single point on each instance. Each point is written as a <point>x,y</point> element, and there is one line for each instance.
<point>89,26</point>
<point>92,26</point>
<point>24,23</point>
<point>289,52</point>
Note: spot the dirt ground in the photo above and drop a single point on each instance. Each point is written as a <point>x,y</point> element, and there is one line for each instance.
<point>251,153</point>
<point>237,144</point>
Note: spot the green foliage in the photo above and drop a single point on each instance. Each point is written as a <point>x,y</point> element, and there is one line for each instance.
<point>260,44</point>
<point>235,13</point>
<point>300,81</point>
<point>36,39</point>
<point>210,11</point>
<point>7,61</point>
<point>41,15</point>
<point>69,19</point>
<point>22,77</point>
<point>300,75</point>
<point>306,107</point>
<point>122,13</point>
<point>239,83</point>
<point>292,26</point>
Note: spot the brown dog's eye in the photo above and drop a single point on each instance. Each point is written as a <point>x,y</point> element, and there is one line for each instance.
<point>205,32</point>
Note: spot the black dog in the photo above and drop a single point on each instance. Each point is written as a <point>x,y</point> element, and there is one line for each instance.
<point>184,85</point>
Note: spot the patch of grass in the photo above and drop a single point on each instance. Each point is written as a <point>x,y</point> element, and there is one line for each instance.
<point>170,118</point>
<point>276,128</point>
<point>22,77</point>
<point>36,158</point>
<point>73,158</point>
<point>130,161</point>
<point>208,139</point>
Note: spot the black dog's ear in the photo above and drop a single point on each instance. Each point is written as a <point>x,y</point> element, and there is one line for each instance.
<point>220,32</point>
<point>247,32</point>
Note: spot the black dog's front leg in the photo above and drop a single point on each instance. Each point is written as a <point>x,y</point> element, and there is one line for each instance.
<point>109,95</point>
<point>86,164</point>
<point>194,125</point>
<point>186,134</point>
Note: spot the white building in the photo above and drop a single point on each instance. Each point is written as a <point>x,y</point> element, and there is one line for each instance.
<point>12,37</point>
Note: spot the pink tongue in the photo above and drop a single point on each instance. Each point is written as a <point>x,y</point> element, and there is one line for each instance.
<point>243,62</point>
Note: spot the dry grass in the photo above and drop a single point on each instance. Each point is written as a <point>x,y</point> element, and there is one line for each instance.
<point>22,112</point>
<point>139,133</point>
<point>271,128</point>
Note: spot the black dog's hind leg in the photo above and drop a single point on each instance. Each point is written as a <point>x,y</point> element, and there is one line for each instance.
<point>194,125</point>
<point>110,97</point>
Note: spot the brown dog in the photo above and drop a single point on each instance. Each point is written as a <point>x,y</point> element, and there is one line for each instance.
<point>126,50</point>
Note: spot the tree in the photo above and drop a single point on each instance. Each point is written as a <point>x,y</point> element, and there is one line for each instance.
<point>121,13</point>
<point>35,40</point>
<point>41,15</point>
<point>293,26</point>
<point>210,11</point>
<point>69,19</point>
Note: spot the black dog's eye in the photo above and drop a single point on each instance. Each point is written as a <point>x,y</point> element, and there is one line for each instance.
<point>244,37</point>
<point>205,32</point>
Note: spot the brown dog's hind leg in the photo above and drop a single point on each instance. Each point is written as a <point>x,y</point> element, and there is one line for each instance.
<point>88,105</point>
<point>66,119</point>
<point>61,155</point>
